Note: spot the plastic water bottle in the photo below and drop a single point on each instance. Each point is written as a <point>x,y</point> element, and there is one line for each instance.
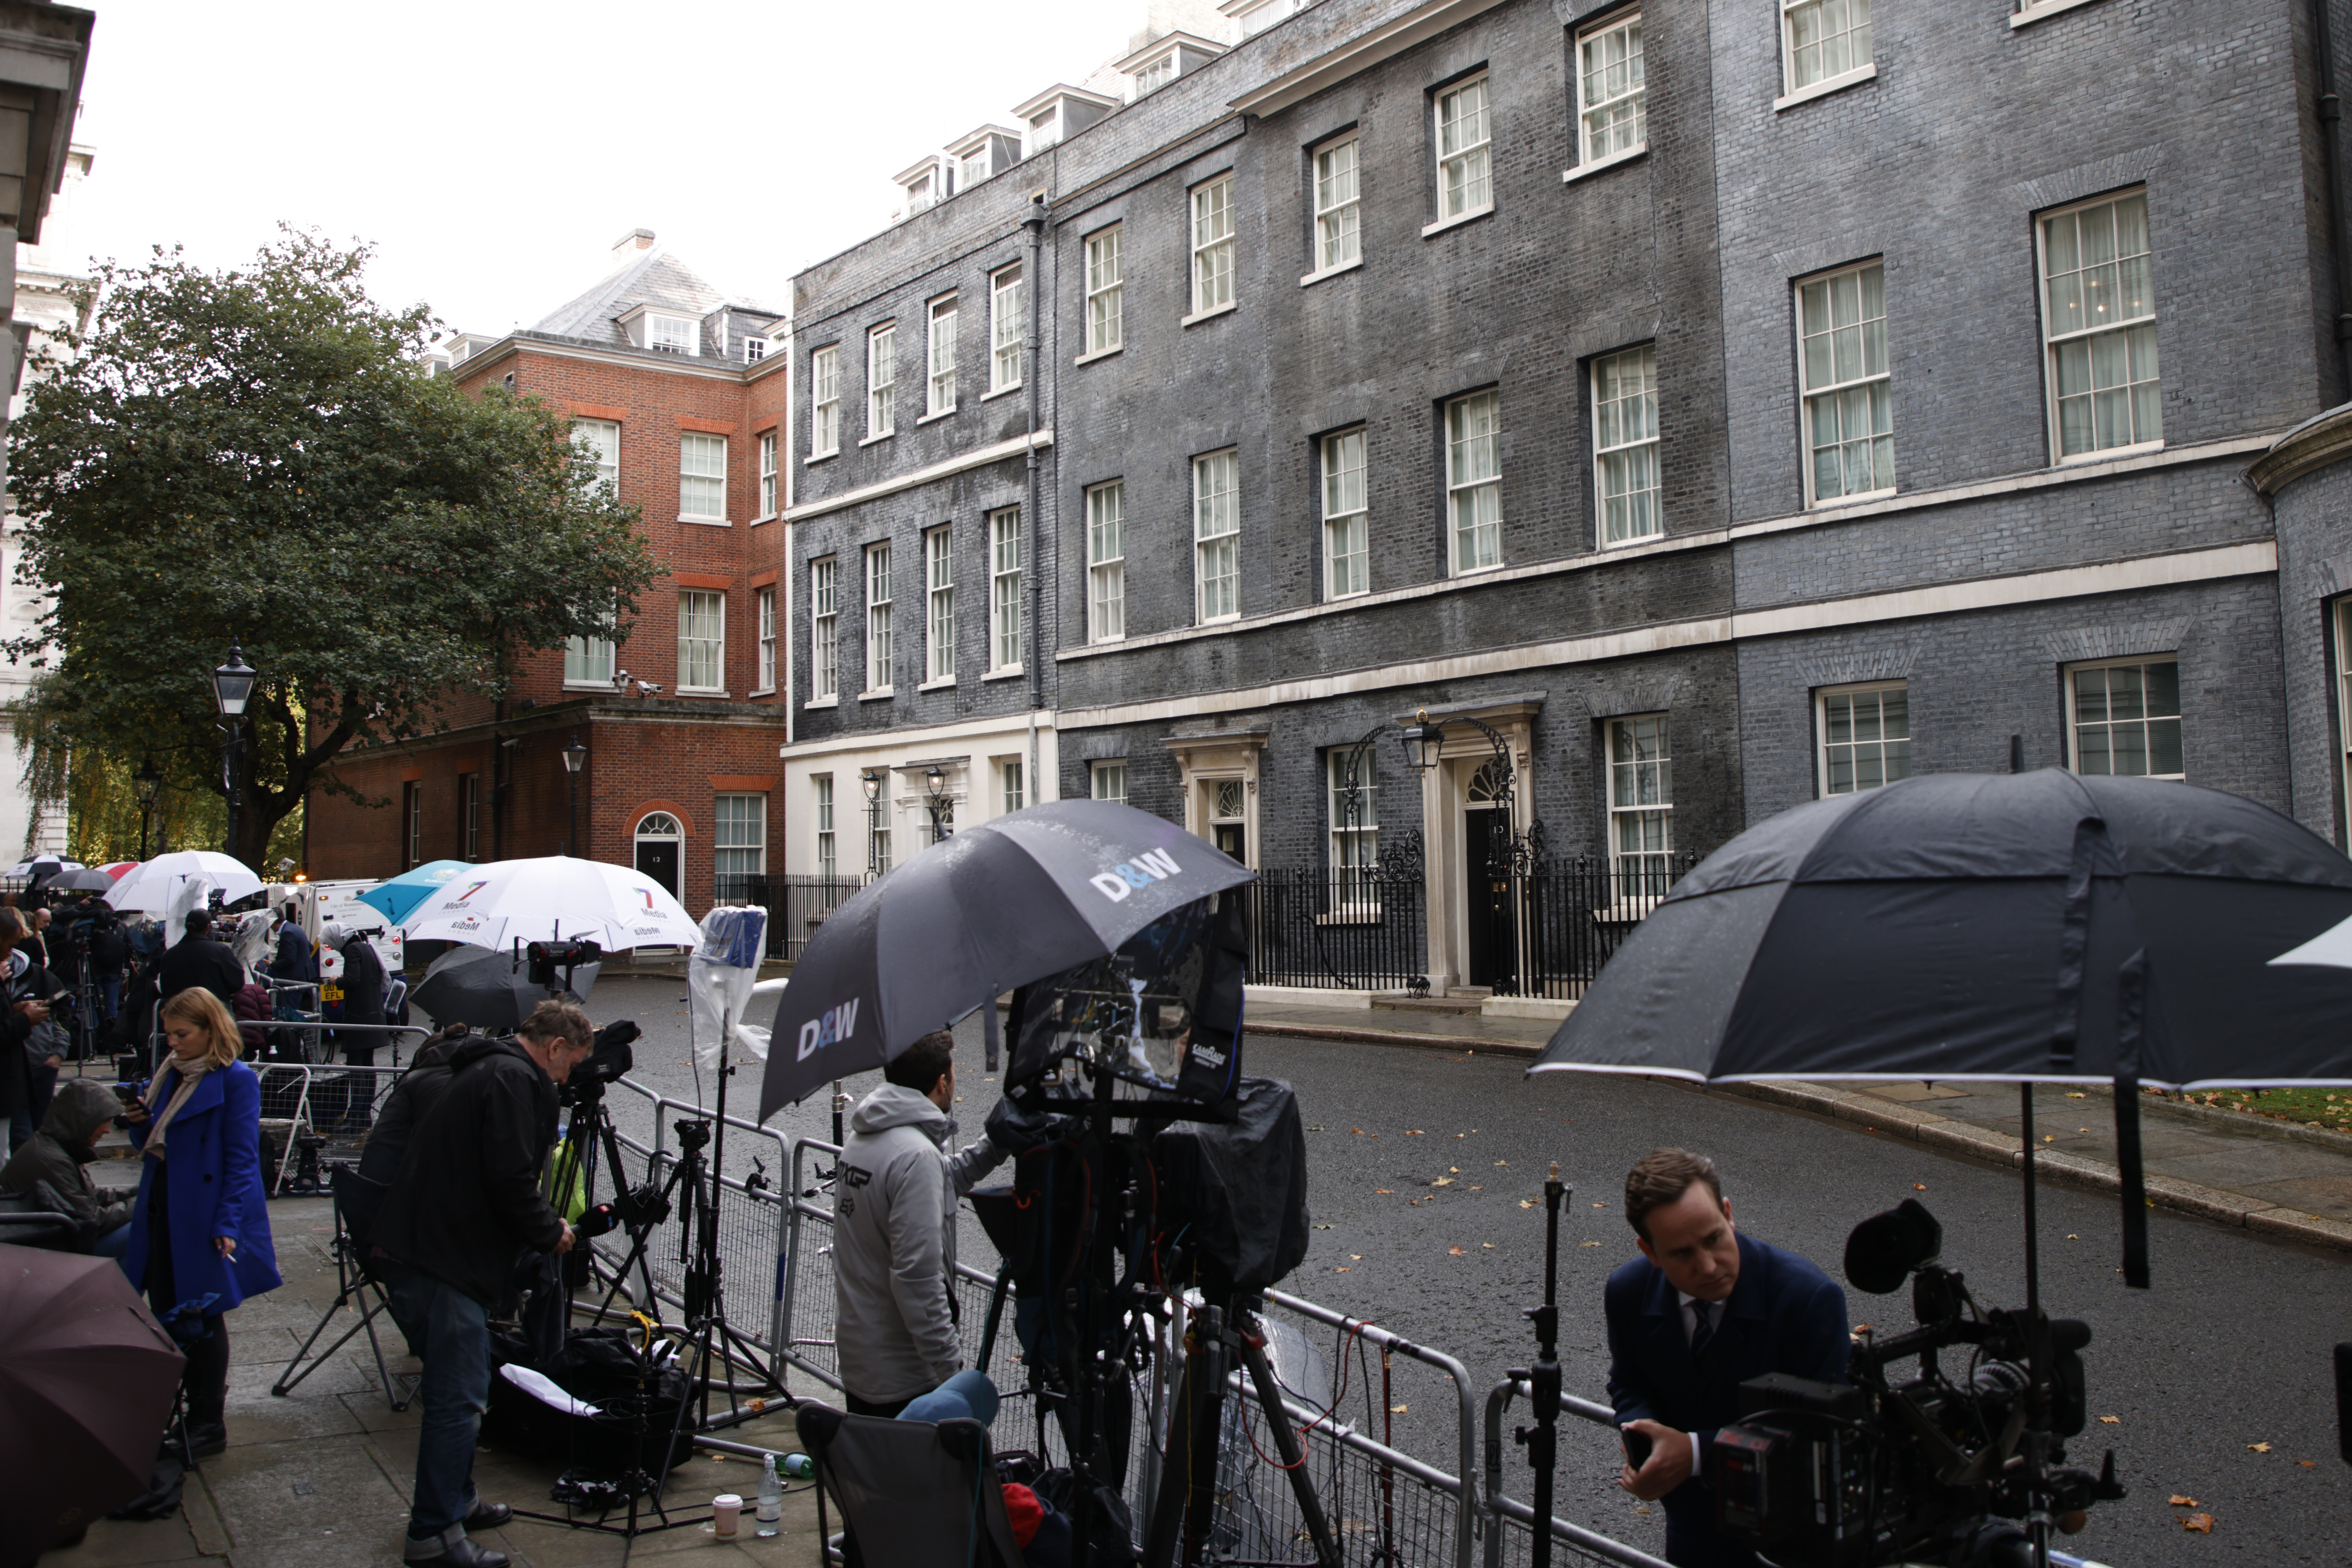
<point>772,1497</point>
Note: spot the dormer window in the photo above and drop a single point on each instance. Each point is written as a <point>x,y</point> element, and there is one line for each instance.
<point>754,350</point>
<point>1156,74</point>
<point>987,152</point>
<point>925,184</point>
<point>1045,129</point>
<point>670,334</point>
<point>1165,59</point>
<point>1057,114</point>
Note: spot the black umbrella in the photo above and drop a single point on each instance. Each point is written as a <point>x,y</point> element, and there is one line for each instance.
<point>487,987</point>
<point>1022,896</point>
<point>88,879</point>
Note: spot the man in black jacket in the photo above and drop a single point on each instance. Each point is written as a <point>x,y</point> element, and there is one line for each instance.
<point>198,960</point>
<point>463,1206</point>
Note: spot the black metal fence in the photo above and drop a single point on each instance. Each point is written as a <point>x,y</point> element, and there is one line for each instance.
<point>1574,913</point>
<point>1338,928</point>
<point>796,905</point>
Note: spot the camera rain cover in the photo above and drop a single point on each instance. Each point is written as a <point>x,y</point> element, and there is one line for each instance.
<point>1161,1015</point>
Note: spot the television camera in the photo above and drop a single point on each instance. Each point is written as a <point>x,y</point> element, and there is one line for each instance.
<point>609,1060</point>
<point>1964,1466</point>
<point>550,959</point>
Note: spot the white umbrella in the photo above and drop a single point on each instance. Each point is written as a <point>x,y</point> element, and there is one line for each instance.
<point>146,887</point>
<point>556,896</point>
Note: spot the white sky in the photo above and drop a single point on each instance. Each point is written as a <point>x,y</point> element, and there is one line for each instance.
<point>494,149</point>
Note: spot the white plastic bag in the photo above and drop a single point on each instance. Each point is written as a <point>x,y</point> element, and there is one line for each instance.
<point>720,979</point>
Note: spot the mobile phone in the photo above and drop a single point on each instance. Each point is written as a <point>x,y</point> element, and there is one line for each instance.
<point>128,1093</point>
<point>1637,1449</point>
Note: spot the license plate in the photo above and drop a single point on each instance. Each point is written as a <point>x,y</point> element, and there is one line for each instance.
<point>331,993</point>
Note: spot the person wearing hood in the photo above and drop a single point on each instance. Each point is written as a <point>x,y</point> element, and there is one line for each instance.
<point>895,1228</point>
<point>61,1152</point>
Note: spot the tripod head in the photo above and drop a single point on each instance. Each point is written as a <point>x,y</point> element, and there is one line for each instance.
<point>693,1133</point>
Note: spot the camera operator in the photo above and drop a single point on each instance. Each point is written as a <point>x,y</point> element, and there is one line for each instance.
<point>199,960</point>
<point>28,1054</point>
<point>1702,1311</point>
<point>464,1206</point>
<point>894,1226</point>
<point>110,949</point>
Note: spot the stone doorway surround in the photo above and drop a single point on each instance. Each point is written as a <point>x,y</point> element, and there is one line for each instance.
<point>1444,800</point>
<point>1208,756</point>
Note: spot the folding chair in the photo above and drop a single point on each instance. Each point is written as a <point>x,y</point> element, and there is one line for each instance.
<point>357,1285</point>
<point>913,1494</point>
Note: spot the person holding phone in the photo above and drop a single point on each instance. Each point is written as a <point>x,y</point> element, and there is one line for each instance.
<point>199,1225</point>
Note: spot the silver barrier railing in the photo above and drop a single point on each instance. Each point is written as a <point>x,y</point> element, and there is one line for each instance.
<point>1505,1512</point>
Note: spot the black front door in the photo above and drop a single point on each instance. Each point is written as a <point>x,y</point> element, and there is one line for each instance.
<point>1230,839</point>
<point>1487,902</point>
<point>657,859</point>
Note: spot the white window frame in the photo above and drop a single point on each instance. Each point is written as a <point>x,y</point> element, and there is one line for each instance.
<point>1337,189</point>
<point>2136,333</point>
<point>939,606</point>
<point>972,168</point>
<point>1153,75</point>
<point>1012,783</point>
<point>691,646</point>
<point>1477,547</point>
<point>1611,93</point>
<point>701,476</point>
<point>877,562</point>
<point>1106,290</point>
<point>1874,388</point>
<point>2340,621</point>
<point>1465,146</point>
<point>764,598</point>
<point>1625,449</point>
<point>878,828</point>
<point>768,486</point>
<point>1211,204</point>
<point>882,381</point>
<point>1006,349</point>
<point>828,846</point>
<point>1859,64</point>
<point>940,345</point>
<point>1854,750</point>
<point>588,661</point>
<point>1641,805</point>
<point>1107,781</point>
<point>1216,537</point>
<point>826,401</point>
<point>1004,578</point>
<point>1106,561</point>
<point>749,826</point>
<point>601,437</point>
<point>824,629</point>
<point>755,348</point>
<point>2075,722</point>
<point>1355,849</point>
<point>1347,513</point>
<point>684,335</point>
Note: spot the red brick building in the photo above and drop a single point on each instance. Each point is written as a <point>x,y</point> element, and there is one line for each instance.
<point>675,388</point>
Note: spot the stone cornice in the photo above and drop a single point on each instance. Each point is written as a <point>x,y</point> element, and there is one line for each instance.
<point>2311,446</point>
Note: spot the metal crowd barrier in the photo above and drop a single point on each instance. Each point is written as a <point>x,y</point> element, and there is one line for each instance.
<point>299,1096</point>
<point>1510,1523</point>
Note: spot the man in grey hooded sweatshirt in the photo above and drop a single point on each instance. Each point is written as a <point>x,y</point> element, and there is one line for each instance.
<point>895,1228</point>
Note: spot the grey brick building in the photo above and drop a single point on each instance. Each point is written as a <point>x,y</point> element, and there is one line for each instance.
<point>1762,396</point>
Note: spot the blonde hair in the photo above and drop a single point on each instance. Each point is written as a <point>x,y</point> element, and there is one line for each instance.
<point>200,1006</point>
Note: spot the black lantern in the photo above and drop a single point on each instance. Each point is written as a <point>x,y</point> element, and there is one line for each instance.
<point>1423,741</point>
<point>575,757</point>
<point>232,690</point>
<point>872,780</point>
<point>149,782</point>
<point>232,684</point>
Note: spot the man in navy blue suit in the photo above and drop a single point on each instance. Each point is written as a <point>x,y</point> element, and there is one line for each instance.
<point>1703,1309</point>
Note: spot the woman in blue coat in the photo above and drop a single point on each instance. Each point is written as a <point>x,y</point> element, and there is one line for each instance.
<point>199,1241</point>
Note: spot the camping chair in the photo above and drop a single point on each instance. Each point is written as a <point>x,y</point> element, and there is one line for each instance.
<point>357,1284</point>
<point>913,1494</point>
<point>43,1218</point>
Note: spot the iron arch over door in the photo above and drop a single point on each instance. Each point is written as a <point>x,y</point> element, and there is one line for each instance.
<point>661,845</point>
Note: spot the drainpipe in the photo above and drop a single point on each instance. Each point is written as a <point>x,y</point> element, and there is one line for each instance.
<point>2331,119</point>
<point>1034,223</point>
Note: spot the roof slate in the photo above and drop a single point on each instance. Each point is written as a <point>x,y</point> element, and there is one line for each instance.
<point>654,279</point>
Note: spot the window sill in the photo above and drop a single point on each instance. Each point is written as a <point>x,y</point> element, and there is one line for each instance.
<point>1210,314</point>
<point>1343,598</point>
<point>2041,9</point>
<point>823,702</point>
<point>587,686</point>
<point>704,521</point>
<point>1010,672</point>
<point>1599,165</point>
<point>1110,352</point>
<point>1106,642</point>
<point>941,684</point>
<point>942,414</point>
<point>1824,86</point>
<point>1000,392</point>
<point>1314,278</point>
<point>1220,620</point>
<point>1859,497</point>
<point>2106,453</point>
<point>1460,571</point>
<point>1441,225</point>
<point>884,695</point>
<point>769,517</point>
<point>1638,538</point>
<point>1353,915</point>
<point>883,436</point>
<point>763,691</point>
<point>814,459</point>
<point>702,691</point>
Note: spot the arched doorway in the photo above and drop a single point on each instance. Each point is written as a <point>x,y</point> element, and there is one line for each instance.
<point>1486,829</point>
<point>661,844</point>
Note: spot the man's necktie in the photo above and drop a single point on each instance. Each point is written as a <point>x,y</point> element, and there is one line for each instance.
<point>1702,1327</point>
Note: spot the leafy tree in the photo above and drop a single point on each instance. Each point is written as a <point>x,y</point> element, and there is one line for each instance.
<point>258,457</point>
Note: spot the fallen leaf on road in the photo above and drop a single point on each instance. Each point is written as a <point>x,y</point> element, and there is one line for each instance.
<point>1413,1132</point>
<point>1453,1252</point>
<point>2258,1447</point>
<point>2073,1238</point>
<point>1527,1203</point>
<point>1356,1130</point>
<point>1453,1170</point>
<point>1600,1205</point>
<point>2050,1137</point>
<point>2074,1094</point>
<point>1502,1162</point>
<point>2308,1464</point>
<point>1341,1270</point>
<point>2111,1420</point>
<point>1322,1227</point>
<point>1317,1127</point>
<point>1587,1244</point>
<point>2202,1524</point>
<point>1397,1409</point>
<point>1487,1244</point>
<point>1918,1186</point>
<point>1442,1181</point>
<point>1383,1192</point>
<point>2177,1500</point>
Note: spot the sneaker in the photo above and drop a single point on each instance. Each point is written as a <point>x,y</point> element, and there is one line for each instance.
<point>451,1548</point>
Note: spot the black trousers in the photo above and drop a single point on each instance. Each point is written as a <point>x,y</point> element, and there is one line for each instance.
<point>205,1378</point>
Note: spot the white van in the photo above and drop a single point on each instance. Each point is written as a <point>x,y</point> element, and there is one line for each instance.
<point>340,901</point>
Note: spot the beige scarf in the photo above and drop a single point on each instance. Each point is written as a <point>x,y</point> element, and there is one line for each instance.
<point>189,1074</point>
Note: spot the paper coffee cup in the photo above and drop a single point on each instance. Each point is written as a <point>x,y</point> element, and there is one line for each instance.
<point>726,1510</point>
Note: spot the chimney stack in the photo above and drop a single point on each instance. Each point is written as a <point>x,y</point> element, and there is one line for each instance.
<point>630,245</point>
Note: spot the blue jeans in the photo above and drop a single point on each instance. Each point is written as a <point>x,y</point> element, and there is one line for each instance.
<point>114,1243</point>
<point>451,1333</point>
<point>968,1396</point>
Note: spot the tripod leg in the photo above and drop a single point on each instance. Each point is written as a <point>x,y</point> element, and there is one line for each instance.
<point>1293,1457</point>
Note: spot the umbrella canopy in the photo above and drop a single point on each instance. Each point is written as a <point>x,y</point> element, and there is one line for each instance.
<point>507,901</point>
<point>395,897</point>
<point>115,869</point>
<point>85,1382</point>
<point>147,887</point>
<point>489,990</point>
<point>89,880</point>
<point>1019,897</point>
<point>1960,926</point>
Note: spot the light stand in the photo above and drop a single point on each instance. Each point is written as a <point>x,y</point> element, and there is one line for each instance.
<point>1542,1440</point>
<point>148,783</point>
<point>574,757</point>
<point>232,690</point>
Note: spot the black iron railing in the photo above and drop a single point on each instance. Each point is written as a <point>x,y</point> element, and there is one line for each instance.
<point>1574,914</point>
<point>1340,928</point>
<point>796,905</point>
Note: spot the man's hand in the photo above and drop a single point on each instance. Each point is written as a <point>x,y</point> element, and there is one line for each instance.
<point>565,1245</point>
<point>1669,1465</point>
<point>34,1009</point>
<point>53,1061</point>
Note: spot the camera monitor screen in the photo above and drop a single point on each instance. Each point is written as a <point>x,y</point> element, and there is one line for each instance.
<point>1160,1017</point>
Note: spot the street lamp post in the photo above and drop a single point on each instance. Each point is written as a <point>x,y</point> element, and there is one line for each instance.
<point>575,756</point>
<point>942,808</point>
<point>232,690</point>
<point>871,782</point>
<point>149,782</point>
